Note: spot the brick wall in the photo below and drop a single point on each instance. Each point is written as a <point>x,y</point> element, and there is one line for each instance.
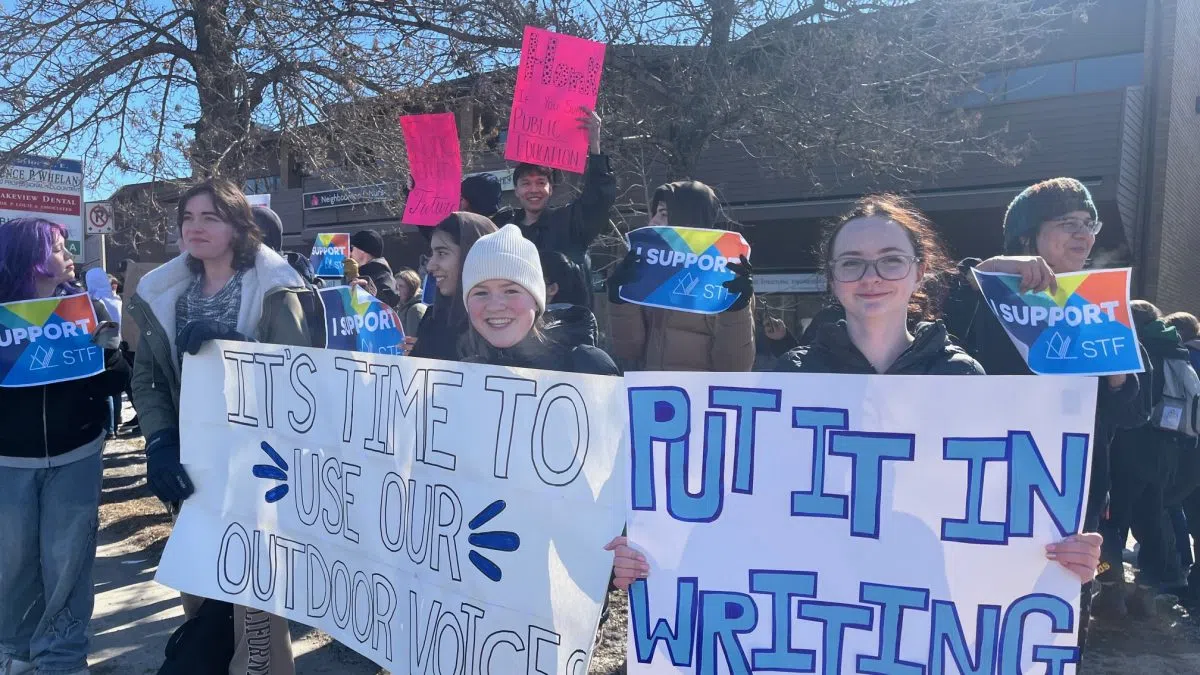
<point>1174,281</point>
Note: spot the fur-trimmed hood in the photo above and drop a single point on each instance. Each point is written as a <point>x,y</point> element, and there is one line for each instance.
<point>161,288</point>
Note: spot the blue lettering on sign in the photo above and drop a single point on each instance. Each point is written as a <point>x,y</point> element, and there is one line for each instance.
<point>892,601</point>
<point>747,403</point>
<point>977,452</point>
<point>815,502</point>
<point>947,634</point>
<point>868,451</point>
<point>724,615</point>
<point>1028,475</point>
<point>710,625</point>
<point>1012,635</point>
<point>680,640</point>
<point>782,586</point>
<point>662,416</point>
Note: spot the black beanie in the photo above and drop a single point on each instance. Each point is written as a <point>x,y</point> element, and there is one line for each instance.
<point>272,227</point>
<point>1043,201</point>
<point>369,242</point>
<point>482,192</point>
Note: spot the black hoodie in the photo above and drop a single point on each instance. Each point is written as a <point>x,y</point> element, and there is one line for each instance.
<point>931,353</point>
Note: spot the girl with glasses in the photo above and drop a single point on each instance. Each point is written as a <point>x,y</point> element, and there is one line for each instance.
<point>878,260</point>
<point>881,259</point>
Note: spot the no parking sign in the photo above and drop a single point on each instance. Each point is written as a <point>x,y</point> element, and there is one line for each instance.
<point>98,217</point>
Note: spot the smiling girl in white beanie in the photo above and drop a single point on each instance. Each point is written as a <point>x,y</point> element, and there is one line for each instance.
<point>505,295</point>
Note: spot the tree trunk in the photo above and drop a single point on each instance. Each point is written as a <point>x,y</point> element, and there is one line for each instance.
<point>220,145</point>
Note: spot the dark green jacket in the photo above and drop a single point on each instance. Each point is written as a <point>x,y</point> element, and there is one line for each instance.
<point>271,312</point>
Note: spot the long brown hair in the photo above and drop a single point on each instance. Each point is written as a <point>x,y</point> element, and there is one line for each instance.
<point>464,229</point>
<point>230,203</point>
<point>927,246</point>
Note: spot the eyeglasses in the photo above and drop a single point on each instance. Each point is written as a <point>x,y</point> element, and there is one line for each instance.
<point>889,267</point>
<point>1078,226</point>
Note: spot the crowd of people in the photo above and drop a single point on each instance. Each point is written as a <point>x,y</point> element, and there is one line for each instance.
<point>513,289</point>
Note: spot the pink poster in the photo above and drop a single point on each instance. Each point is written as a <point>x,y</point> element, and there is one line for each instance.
<point>436,167</point>
<point>558,74</point>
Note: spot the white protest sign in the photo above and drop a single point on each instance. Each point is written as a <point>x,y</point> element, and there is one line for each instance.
<point>855,524</point>
<point>436,517</point>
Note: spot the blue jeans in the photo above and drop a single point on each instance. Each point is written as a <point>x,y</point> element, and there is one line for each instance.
<point>47,547</point>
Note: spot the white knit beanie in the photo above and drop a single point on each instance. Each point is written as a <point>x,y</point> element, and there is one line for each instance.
<point>505,254</point>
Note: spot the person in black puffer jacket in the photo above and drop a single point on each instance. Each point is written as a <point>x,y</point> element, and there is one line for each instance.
<point>878,258</point>
<point>567,320</point>
<point>932,352</point>
<point>505,294</point>
<point>877,295</point>
<point>445,322</point>
<point>50,470</point>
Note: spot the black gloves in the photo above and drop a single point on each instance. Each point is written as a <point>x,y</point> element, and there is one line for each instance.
<point>743,284</point>
<point>622,275</point>
<point>166,476</point>
<point>196,333</point>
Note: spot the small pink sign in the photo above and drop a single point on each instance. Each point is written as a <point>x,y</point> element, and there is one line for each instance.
<point>435,163</point>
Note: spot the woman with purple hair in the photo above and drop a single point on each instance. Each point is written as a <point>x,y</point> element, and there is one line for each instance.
<point>50,473</point>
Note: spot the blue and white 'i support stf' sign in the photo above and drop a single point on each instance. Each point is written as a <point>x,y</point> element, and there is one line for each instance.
<point>1086,328</point>
<point>684,268</point>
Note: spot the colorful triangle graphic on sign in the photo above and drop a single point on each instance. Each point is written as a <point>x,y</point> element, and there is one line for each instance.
<point>35,312</point>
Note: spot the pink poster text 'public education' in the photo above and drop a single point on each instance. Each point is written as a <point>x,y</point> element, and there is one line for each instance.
<point>558,75</point>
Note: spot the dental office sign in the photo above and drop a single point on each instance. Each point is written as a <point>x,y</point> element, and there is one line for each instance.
<point>855,524</point>
<point>44,187</point>
<point>684,268</point>
<point>1086,328</point>
<point>47,341</point>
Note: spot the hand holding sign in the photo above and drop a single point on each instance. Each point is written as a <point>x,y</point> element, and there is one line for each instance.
<point>435,163</point>
<point>359,322</point>
<point>329,254</point>
<point>1036,275</point>
<point>687,269</point>
<point>48,340</point>
<point>558,78</point>
<point>1085,327</point>
<point>591,122</point>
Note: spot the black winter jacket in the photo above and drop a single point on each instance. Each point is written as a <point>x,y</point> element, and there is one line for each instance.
<point>380,274</point>
<point>570,229</point>
<point>54,419</point>
<point>436,337</point>
<point>931,353</point>
<point>548,355</point>
<point>571,325</point>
